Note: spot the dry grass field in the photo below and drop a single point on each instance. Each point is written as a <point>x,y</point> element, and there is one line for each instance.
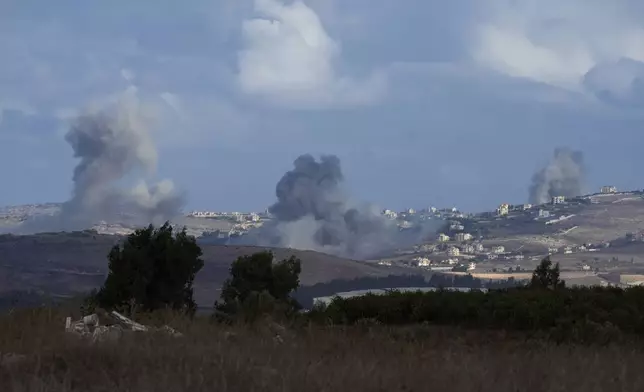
<point>38,356</point>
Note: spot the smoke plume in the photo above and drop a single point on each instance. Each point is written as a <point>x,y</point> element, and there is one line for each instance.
<point>562,176</point>
<point>112,144</point>
<point>313,212</point>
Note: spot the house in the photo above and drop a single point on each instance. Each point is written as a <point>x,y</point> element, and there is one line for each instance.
<point>478,247</point>
<point>443,237</point>
<point>453,251</point>
<point>468,249</point>
<point>503,209</point>
<point>498,249</point>
<point>567,250</point>
<point>608,189</point>
<point>460,237</point>
<point>421,261</point>
<point>527,207</point>
<point>558,199</point>
<point>427,248</point>
<point>544,213</point>
<point>390,214</point>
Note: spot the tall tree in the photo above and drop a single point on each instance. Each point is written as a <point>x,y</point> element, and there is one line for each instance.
<point>546,275</point>
<point>257,274</point>
<point>153,269</point>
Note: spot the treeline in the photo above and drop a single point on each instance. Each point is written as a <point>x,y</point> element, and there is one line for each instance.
<point>306,294</point>
<point>580,313</point>
<point>154,269</point>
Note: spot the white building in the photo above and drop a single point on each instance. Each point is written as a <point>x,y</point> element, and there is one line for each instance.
<point>498,249</point>
<point>468,249</point>
<point>453,251</point>
<point>503,209</point>
<point>462,237</point>
<point>608,189</point>
<point>390,214</point>
<point>422,261</point>
<point>558,199</point>
<point>443,237</point>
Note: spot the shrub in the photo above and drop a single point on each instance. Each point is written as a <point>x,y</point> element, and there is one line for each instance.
<point>154,269</point>
<point>257,286</point>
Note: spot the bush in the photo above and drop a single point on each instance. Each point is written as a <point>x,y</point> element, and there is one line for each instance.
<point>546,276</point>
<point>258,286</point>
<point>154,269</point>
<point>569,313</point>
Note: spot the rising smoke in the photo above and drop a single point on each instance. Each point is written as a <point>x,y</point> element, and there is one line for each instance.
<point>112,144</point>
<point>313,212</point>
<point>562,176</point>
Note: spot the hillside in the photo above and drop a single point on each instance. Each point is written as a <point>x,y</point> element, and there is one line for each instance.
<point>63,263</point>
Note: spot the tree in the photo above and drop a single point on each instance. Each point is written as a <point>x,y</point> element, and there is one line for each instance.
<point>153,269</point>
<point>257,284</point>
<point>546,275</point>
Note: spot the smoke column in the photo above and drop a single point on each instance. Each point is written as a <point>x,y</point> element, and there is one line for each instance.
<point>111,144</point>
<point>313,212</point>
<point>562,176</point>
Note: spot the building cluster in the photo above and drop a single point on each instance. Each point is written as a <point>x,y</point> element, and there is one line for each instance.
<point>411,214</point>
<point>230,216</point>
<point>568,249</point>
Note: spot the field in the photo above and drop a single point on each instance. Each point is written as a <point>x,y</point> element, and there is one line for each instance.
<point>62,263</point>
<point>271,358</point>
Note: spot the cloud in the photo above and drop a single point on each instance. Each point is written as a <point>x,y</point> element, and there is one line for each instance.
<point>617,82</point>
<point>556,42</point>
<point>290,59</point>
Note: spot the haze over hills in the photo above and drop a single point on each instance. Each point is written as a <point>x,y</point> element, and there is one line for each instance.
<point>598,238</point>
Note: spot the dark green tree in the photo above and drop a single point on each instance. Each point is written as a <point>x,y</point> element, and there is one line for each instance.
<point>256,278</point>
<point>546,275</point>
<point>153,269</point>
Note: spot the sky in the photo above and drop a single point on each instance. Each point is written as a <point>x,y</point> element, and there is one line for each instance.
<point>426,102</point>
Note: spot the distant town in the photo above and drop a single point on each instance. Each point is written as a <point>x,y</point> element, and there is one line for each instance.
<point>465,241</point>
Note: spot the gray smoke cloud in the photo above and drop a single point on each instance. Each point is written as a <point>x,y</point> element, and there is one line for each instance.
<point>112,143</point>
<point>563,176</point>
<point>314,212</point>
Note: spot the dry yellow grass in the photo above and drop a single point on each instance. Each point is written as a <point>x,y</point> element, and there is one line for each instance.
<point>216,358</point>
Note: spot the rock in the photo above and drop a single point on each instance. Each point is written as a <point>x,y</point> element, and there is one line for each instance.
<point>90,326</point>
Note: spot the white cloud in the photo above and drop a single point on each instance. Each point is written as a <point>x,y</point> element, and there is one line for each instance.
<point>291,60</point>
<point>556,42</point>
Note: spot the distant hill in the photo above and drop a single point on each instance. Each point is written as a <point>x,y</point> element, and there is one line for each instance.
<point>589,219</point>
<point>65,263</point>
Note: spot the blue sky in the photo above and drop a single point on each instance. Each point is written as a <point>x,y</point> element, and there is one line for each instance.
<point>426,102</point>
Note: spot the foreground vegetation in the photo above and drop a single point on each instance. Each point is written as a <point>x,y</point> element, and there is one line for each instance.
<point>542,336</point>
<point>265,357</point>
